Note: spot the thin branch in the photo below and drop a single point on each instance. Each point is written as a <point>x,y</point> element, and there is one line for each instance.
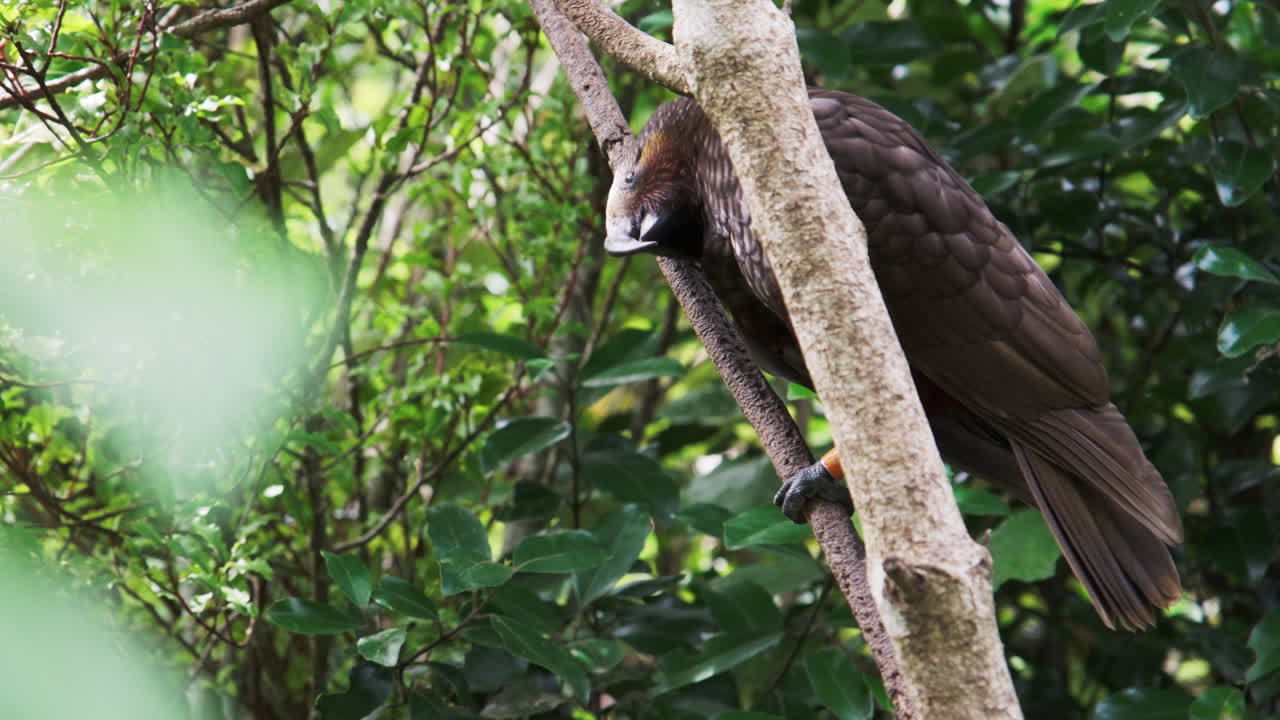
<point>641,51</point>
<point>205,22</point>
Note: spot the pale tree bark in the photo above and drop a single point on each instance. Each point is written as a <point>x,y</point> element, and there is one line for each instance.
<point>929,580</point>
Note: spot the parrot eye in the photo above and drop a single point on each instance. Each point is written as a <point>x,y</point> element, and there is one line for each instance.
<point>630,179</point>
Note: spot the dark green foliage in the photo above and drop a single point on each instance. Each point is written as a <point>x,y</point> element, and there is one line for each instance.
<point>490,472</point>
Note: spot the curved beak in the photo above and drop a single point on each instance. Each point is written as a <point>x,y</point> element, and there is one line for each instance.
<point>622,238</point>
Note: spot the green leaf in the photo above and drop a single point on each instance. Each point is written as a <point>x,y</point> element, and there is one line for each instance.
<point>369,687</point>
<point>526,607</point>
<point>706,518</point>
<point>887,42</point>
<point>634,371</point>
<point>1218,703</point>
<point>763,525</point>
<point>1143,704</point>
<point>717,655</point>
<point>973,501</point>
<point>452,528</point>
<point>1122,14</point>
<point>799,392</point>
<point>745,715</point>
<point>838,684</point>
<point>1264,640</point>
<point>461,571</point>
<point>1230,262</point>
<point>655,21</point>
<point>629,477</point>
<point>1239,171</point>
<point>518,348</point>
<point>558,552</point>
<point>531,646</point>
<point>1022,548</point>
<point>744,607</point>
<point>1099,52</point>
<point>351,576</point>
<point>311,618</point>
<point>1244,329</point>
<point>1082,16</point>
<point>403,597</point>
<point>382,648</point>
<point>1211,79</point>
<point>622,533</point>
<point>519,437</point>
<point>598,654</point>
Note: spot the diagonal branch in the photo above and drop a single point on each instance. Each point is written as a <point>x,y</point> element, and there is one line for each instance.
<point>767,414</point>
<point>641,51</point>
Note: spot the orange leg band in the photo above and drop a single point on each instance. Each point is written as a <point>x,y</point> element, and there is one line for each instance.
<point>831,461</point>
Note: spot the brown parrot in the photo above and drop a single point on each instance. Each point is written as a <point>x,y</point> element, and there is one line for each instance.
<point>1010,378</point>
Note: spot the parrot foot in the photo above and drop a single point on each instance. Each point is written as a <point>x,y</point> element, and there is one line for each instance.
<point>819,480</point>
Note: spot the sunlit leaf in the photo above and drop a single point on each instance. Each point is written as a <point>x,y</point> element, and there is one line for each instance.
<point>1022,548</point>
<point>382,648</point>
<point>1230,262</point>
<point>1244,329</point>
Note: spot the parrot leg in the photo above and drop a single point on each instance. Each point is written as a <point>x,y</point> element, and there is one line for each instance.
<point>820,480</point>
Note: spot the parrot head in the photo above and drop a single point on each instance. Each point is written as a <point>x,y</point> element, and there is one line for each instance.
<point>653,204</point>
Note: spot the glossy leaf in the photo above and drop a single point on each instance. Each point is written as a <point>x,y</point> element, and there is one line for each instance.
<point>718,655</point>
<point>764,525</point>
<point>1210,78</point>
<point>1244,329</point>
<point>1022,548</point>
<point>1218,703</point>
<point>1264,641</point>
<point>622,533</point>
<point>461,571</point>
<point>1239,171</point>
<point>1122,14</point>
<point>454,529</point>
<point>744,607</point>
<point>519,437</point>
<point>634,371</point>
<point>311,618</point>
<point>559,552</point>
<point>521,604</point>
<point>1230,262</point>
<point>382,648</point>
<point>405,598</point>
<point>598,654</point>
<point>531,646</point>
<point>629,477</point>
<point>350,574</point>
<point>842,689</point>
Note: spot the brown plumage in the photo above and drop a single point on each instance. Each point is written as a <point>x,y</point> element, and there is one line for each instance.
<point>1010,378</point>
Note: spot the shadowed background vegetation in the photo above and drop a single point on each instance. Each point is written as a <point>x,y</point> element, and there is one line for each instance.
<point>316,386</point>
